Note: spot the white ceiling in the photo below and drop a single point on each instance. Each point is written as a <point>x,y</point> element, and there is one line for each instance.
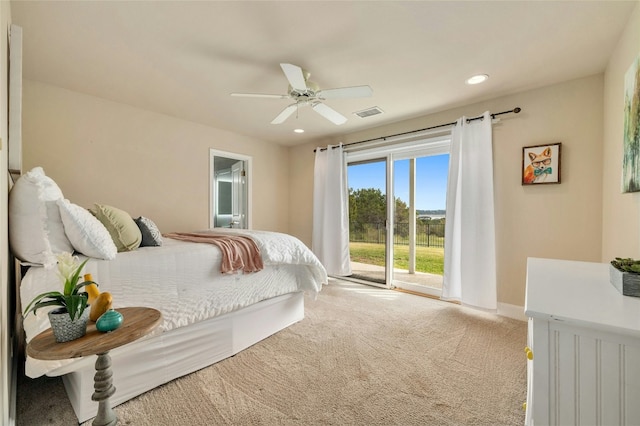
<point>185,58</point>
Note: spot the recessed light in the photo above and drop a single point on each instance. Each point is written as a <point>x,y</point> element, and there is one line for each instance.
<point>299,130</point>
<point>477,79</point>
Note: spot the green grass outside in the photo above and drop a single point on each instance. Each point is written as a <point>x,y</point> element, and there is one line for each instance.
<point>428,259</point>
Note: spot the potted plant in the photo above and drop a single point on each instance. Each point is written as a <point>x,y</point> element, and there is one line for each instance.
<point>624,274</point>
<point>69,321</point>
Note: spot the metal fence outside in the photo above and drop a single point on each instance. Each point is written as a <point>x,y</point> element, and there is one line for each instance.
<point>427,234</point>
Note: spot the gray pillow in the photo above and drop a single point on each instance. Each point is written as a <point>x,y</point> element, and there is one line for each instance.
<point>151,235</point>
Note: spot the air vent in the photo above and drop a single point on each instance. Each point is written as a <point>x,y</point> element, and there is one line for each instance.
<point>369,112</point>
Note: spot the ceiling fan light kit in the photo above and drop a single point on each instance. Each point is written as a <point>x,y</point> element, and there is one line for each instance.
<point>305,92</point>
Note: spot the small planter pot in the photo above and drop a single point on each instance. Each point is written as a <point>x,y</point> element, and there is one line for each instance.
<point>626,283</point>
<point>64,329</point>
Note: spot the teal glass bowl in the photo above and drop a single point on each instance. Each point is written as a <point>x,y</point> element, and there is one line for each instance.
<point>109,321</point>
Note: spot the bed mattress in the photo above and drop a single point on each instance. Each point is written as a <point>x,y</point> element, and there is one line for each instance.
<point>183,281</point>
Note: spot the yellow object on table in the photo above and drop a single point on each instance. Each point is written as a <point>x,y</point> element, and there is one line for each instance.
<point>101,305</point>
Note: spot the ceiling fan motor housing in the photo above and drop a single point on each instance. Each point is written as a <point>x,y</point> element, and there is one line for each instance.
<point>306,92</point>
<point>310,93</point>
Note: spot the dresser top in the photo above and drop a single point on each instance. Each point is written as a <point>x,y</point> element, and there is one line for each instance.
<point>579,293</point>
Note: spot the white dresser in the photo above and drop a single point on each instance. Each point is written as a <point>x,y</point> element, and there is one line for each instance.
<point>584,346</point>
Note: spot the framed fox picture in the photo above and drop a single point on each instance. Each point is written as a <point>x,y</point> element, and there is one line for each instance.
<point>541,164</point>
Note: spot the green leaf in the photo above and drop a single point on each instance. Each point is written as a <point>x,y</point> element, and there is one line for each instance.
<point>75,305</point>
<point>58,302</point>
<point>82,284</point>
<point>70,283</point>
<point>37,300</point>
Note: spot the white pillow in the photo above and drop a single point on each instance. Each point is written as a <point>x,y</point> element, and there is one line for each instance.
<point>36,232</point>
<point>86,233</point>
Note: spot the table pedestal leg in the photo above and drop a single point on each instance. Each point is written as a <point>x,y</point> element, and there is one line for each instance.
<point>103,385</point>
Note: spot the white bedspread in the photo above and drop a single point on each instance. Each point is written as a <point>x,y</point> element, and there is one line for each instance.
<point>183,281</point>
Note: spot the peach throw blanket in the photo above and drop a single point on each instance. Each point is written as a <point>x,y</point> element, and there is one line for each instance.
<point>239,253</point>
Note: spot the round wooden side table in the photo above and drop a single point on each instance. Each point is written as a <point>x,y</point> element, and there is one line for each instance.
<point>138,322</point>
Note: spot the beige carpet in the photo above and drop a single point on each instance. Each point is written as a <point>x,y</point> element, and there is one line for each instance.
<point>362,356</point>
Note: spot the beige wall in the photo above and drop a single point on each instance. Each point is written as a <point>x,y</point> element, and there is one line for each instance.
<point>620,212</point>
<point>155,165</point>
<point>553,221</point>
<point>144,163</point>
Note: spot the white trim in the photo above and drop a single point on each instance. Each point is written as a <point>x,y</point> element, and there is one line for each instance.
<point>409,138</point>
<point>249,171</point>
<point>423,147</point>
<point>391,208</point>
<point>418,288</point>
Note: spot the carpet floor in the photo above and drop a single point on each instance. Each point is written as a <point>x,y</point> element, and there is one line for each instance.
<point>361,356</point>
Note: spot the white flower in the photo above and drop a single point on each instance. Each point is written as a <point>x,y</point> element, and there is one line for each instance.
<point>67,265</point>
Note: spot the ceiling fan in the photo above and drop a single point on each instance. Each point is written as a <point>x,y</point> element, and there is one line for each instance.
<point>306,92</point>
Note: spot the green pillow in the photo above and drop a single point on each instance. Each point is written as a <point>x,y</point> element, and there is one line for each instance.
<point>123,229</point>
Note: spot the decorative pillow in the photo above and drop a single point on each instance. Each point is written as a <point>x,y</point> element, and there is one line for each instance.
<point>86,233</point>
<point>124,231</point>
<point>151,236</point>
<point>36,232</point>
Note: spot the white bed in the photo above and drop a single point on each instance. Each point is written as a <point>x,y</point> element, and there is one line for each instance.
<point>207,316</point>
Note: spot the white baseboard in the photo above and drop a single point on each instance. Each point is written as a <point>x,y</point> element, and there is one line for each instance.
<point>505,309</point>
<point>511,311</point>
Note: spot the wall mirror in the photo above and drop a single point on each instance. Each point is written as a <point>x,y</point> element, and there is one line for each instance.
<point>230,182</point>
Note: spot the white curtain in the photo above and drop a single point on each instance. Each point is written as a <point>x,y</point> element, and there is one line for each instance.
<point>470,254</point>
<point>330,239</point>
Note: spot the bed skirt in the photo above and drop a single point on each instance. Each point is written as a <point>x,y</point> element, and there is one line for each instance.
<point>148,363</point>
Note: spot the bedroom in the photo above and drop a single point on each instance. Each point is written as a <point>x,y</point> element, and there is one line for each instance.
<point>133,147</point>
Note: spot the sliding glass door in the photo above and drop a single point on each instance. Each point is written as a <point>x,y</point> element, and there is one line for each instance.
<point>397,214</point>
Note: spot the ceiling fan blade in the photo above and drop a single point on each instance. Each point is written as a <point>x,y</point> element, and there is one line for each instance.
<point>329,113</point>
<point>295,76</point>
<point>285,114</point>
<point>346,92</point>
<point>260,95</point>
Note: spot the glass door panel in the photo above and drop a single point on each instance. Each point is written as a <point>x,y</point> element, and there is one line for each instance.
<point>367,220</point>
<point>420,185</point>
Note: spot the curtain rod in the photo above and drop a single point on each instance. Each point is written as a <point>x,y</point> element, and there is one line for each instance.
<point>516,110</point>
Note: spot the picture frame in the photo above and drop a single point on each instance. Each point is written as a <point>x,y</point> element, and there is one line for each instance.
<point>631,132</point>
<point>541,164</point>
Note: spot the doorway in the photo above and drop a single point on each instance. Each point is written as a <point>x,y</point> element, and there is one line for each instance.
<point>230,190</point>
<point>397,201</point>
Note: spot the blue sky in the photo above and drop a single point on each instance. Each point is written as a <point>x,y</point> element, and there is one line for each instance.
<point>431,180</point>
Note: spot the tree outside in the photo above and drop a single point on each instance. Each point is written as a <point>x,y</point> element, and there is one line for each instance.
<point>367,217</point>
